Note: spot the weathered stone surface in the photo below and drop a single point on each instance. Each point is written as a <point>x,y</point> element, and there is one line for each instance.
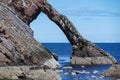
<point>113,71</point>
<point>26,73</point>
<point>17,45</point>
<point>28,10</point>
<point>52,63</point>
<point>80,46</point>
<point>90,60</point>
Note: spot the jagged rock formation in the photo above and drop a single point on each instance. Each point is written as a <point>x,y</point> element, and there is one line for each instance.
<point>113,71</point>
<point>84,52</point>
<point>17,45</point>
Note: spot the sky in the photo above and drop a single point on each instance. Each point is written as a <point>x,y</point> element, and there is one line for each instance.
<point>96,20</point>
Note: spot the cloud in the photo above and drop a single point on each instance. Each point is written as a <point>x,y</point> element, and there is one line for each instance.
<point>90,12</point>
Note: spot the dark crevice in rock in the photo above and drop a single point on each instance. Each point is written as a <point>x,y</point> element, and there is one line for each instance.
<point>1,40</point>
<point>2,32</point>
<point>22,76</point>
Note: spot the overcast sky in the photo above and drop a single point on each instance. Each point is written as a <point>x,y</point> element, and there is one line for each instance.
<point>96,20</point>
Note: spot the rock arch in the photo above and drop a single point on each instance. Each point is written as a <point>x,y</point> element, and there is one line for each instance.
<point>84,52</point>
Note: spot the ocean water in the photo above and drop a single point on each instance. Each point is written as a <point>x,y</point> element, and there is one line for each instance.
<point>64,51</point>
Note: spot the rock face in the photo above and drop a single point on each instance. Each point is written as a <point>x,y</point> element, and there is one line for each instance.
<point>81,47</point>
<point>17,45</point>
<point>90,60</point>
<point>28,10</point>
<point>113,71</point>
<point>27,73</point>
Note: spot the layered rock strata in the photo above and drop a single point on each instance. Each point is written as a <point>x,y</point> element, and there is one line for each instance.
<point>17,45</point>
<point>28,10</point>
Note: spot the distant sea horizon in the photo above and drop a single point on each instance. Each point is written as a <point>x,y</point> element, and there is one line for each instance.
<point>69,42</point>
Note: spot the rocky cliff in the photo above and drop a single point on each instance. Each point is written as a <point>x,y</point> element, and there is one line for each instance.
<point>84,52</point>
<point>17,45</point>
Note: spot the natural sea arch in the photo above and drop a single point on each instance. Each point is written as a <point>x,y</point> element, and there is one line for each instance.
<point>51,37</point>
<point>46,31</point>
<point>80,46</point>
<point>28,10</point>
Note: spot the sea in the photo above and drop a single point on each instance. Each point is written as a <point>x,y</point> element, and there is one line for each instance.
<point>93,72</point>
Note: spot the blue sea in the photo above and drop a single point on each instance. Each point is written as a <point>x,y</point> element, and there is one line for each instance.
<point>64,51</point>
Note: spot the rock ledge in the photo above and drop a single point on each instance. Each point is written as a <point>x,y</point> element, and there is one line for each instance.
<point>90,60</point>
<point>27,73</point>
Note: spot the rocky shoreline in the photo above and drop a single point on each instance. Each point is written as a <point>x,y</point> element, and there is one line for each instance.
<point>18,46</point>
<point>28,73</point>
<point>27,11</point>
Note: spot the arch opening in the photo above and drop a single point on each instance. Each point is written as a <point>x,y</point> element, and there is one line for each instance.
<point>46,31</point>
<point>51,36</point>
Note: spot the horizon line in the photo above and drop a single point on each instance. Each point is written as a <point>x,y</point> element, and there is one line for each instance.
<point>69,42</point>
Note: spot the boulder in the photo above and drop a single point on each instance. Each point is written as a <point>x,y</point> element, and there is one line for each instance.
<point>113,71</point>
<point>52,63</point>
